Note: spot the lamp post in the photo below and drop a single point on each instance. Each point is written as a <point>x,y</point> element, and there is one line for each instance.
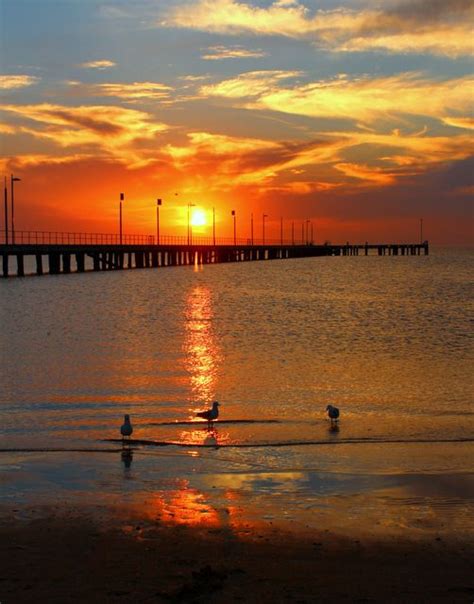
<point>13,180</point>
<point>158,204</point>
<point>302,233</point>
<point>122,197</point>
<point>5,192</point>
<point>281,230</point>
<point>190,205</point>
<point>311,232</point>
<point>235,229</point>
<point>307,232</point>
<point>251,228</point>
<point>293,232</point>
<point>263,228</point>
<point>214,227</point>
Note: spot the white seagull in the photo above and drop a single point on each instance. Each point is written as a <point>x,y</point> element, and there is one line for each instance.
<point>210,414</point>
<point>126,428</point>
<point>333,413</point>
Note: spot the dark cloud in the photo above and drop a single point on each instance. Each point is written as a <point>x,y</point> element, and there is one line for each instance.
<point>100,127</point>
<point>417,15</point>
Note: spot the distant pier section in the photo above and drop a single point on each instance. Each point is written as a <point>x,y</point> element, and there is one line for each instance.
<point>35,252</point>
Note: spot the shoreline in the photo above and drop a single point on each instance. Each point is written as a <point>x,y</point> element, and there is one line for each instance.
<point>85,553</point>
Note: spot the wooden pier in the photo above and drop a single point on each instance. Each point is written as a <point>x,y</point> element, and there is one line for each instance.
<point>66,258</point>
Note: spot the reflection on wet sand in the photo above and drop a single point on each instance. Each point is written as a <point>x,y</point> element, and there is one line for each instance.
<point>190,507</point>
<point>200,345</point>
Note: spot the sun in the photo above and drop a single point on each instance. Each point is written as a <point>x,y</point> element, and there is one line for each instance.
<point>198,218</point>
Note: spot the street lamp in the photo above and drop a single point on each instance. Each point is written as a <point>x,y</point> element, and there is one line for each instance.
<point>235,231</point>
<point>6,211</point>
<point>311,232</point>
<point>13,179</point>
<point>251,228</point>
<point>293,232</point>
<point>263,228</point>
<point>158,204</point>
<point>281,230</point>
<point>214,227</point>
<point>190,205</point>
<point>307,232</point>
<point>122,197</point>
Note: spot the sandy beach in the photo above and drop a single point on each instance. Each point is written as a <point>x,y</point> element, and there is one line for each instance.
<point>100,554</point>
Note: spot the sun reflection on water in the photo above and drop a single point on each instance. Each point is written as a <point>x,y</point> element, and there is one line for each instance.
<point>202,355</point>
<point>202,435</point>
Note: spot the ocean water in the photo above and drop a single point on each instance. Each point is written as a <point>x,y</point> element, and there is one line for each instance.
<point>386,339</point>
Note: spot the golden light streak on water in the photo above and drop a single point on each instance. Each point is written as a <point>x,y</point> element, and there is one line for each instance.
<point>202,355</point>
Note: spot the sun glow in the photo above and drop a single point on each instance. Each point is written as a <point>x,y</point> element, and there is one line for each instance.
<point>198,218</point>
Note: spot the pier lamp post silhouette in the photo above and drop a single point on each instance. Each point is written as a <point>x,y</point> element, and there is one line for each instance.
<point>307,231</point>
<point>302,233</point>
<point>214,227</point>
<point>311,232</point>
<point>158,204</point>
<point>251,228</point>
<point>122,197</point>
<point>281,230</point>
<point>292,232</point>
<point>5,195</point>
<point>264,216</point>
<point>190,235</point>
<point>235,229</point>
<point>13,180</point>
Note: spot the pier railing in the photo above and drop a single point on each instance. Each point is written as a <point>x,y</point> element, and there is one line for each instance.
<point>68,252</point>
<point>73,238</point>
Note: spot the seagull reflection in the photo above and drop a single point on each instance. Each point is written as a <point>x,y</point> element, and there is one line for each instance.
<point>211,439</point>
<point>203,436</point>
<point>127,458</point>
<point>333,429</point>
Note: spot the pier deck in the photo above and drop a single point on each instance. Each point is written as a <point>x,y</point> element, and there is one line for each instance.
<point>66,258</point>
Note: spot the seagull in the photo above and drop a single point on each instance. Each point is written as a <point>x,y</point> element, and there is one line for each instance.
<point>333,413</point>
<point>210,414</point>
<point>126,429</point>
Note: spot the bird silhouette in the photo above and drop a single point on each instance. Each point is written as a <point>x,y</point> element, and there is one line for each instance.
<point>126,429</point>
<point>333,413</point>
<point>210,414</point>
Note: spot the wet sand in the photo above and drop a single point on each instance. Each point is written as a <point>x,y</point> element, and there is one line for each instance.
<point>98,554</point>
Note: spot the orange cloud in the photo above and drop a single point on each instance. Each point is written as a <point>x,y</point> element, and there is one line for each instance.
<point>135,91</point>
<point>373,175</point>
<point>32,160</point>
<point>459,122</point>
<point>217,53</point>
<point>428,26</point>
<point>249,84</point>
<point>363,99</point>
<point>10,82</point>
<point>229,162</point>
<point>99,64</point>
<point>110,131</point>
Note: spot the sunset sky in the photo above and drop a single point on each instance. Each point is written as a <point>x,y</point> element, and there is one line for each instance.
<point>354,114</point>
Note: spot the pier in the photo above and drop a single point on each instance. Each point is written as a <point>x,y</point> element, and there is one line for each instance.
<point>65,253</point>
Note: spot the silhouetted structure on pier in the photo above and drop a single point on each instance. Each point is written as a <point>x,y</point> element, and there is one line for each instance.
<point>56,258</point>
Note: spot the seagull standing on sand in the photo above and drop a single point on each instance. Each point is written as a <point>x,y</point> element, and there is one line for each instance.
<point>333,413</point>
<point>210,414</point>
<point>126,428</point>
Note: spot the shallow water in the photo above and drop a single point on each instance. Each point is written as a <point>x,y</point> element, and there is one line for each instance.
<point>385,339</point>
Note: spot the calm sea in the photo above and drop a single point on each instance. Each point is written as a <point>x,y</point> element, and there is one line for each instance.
<point>386,339</point>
